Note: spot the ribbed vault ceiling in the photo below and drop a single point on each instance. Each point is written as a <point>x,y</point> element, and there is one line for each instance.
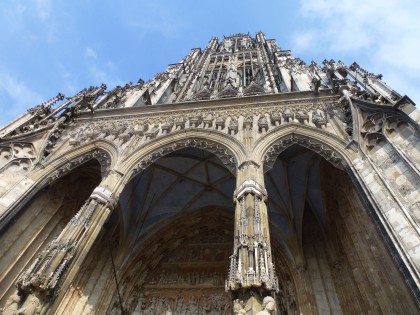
<point>174,186</point>
<point>294,186</point>
<point>191,179</point>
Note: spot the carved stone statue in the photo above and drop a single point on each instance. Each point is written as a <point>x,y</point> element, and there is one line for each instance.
<point>268,305</point>
<point>12,304</point>
<point>238,307</point>
<point>227,45</point>
<point>32,306</point>
<point>192,306</point>
<point>181,307</point>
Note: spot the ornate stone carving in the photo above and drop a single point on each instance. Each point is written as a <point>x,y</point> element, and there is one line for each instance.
<point>229,91</point>
<point>275,118</point>
<point>211,304</point>
<point>253,89</point>
<point>168,125</point>
<point>208,121</point>
<point>238,307</point>
<point>262,124</point>
<point>195,119</point>
<point>248,122</point>
<point>302,116</point>
<point>20,154</point>
<point>319,119</point>
<point>203,94</point>
<point>268,305</point>
<point>152,132</point>
<point>288,114</point>
<point>46,271</point>
<point>119,132</point>
<point>233,126</point>
<point>114,98</point>
<point>22,305</point>
<point>324,150</point>
<point>251,262</point>
<point>12,305</point>
<point>220,122</point>
<point>45,108</point>
<point>102,156</point>
<point>221,152</point>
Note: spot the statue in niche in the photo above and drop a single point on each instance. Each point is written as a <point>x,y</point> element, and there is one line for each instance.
<point>227,45</point>
<point>231,73</point>
<point>181,307</point>
<point>164,307</point>
<point>31,306</point>
<point>238,307</point>
<point>152,307</point>
<point>268,305</point>
<point>245,43</point>
<point>206,309</point>
<point>141,302</point>
<point>12,305</point>
<point>192,307</point>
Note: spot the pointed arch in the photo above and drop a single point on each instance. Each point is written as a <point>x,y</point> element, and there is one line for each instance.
<point>229,150</point>
<point>42,175</point>
<point>332,148</point>
<point>102,150</point>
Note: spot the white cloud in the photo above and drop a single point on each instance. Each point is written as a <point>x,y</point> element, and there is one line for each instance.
<point>384,35</point>
<point>43,9</point>
<point>90,53</point>
<point>30,20</point>
<point>18,95</point>
<point>18,91</point>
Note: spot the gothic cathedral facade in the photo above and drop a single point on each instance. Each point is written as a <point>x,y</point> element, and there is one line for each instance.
<point>238,181</point>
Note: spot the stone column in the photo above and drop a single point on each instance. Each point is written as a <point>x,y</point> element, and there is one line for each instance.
<point>251,274</point>
<point>62,256</point>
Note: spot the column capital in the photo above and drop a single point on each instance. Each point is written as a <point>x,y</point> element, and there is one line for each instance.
<point>250,186</point>
<point>104,196</point>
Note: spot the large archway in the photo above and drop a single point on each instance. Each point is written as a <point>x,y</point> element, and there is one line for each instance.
<point>171,236</point>
<point>321,227</point>
<point>41,220</point>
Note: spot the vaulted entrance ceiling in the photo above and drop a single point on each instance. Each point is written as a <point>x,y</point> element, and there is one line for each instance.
<point>174,186</point>
<point>293,185</point>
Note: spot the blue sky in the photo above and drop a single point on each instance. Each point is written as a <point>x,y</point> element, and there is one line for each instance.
<point>50,46</point>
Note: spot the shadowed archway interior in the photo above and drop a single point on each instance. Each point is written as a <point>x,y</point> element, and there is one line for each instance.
<point>42,219</point>
<point>320,227</point>
<point>174,235</point>
<point>173,186</point>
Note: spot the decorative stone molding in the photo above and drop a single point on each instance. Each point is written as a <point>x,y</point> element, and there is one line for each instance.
<point>222,152</point>
<point>103,158</point>
<point>17,153</point>
<point>322,149</point>
<point>133,132</point>
<point>244,110</point>
<point>250,186</point>
<point>103,195</point>
<point>46,272</point>
<point>45,108</point>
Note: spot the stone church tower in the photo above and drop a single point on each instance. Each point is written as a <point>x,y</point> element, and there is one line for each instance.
<point>238,181</point>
